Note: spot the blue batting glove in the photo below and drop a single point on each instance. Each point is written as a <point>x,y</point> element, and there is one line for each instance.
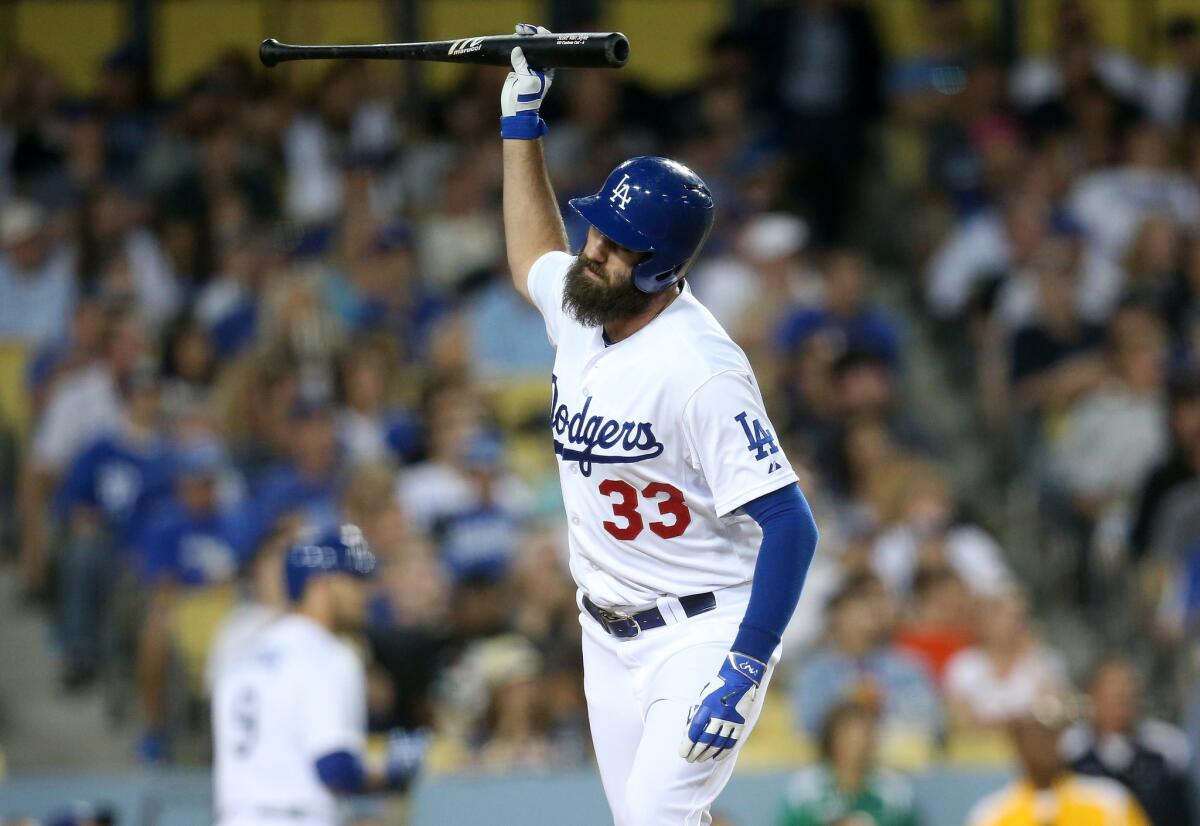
<point>405,753</point>
<point>524,90</point>
<point>715,725</point>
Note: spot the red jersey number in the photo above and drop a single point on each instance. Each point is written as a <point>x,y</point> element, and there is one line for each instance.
<point>673,507</point>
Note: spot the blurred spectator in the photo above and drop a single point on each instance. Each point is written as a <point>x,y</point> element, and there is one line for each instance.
<point>255,403</point>
<point>1147,756</point>
<point>986,268</point>
<point>122,95</point>
<point>1110,440</point>
<point>1178,614</point>
<point>845,315</point>
<point>939,626</point>
<point>305,486</point>
<point>83,343</point>
<point>749,289</point>
<point>862,396</point>
<point>460,236</point>
<point>299,324</point>
<point>189,368</point>
<point>126,259</point>
<point>408,611</point>
<point>1055,356</point>
<point>1163,489</point>
<point>847,787</point>
<point>482,538</point>
<point>370,426</point>
<point>922,530</point>
<point>859,662</point>
<point>189,546</point>
<point>1047,790</point>
<point>508,338</point>
<point>980,253</point>
<point>1001,677</point>
<point>513,729</point>
<point>547,613</point>
<point>227,305</point>
<point>1112,202</point>
<point>37,277</point>
<point>379,291</point>
<point>441,485</point>
<point>345,119</point>
<point>821,71</point>
<point>106,496</point>
<point>95,387</point>
<point>1169,92</point>
<point>1039,79</point>
<point>1154,263</point>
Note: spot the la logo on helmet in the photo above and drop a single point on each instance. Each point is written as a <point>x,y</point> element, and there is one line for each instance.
<point>621,192</point>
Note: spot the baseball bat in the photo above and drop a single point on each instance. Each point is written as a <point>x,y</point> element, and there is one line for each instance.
<point>579,49</point>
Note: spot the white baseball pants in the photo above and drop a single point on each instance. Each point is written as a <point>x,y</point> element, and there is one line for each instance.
<point>639,692</point>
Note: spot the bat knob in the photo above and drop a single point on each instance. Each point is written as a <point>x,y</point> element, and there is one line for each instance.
<point>268,52</point>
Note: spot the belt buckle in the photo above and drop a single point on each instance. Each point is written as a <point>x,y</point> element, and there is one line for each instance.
<point>613,618</point>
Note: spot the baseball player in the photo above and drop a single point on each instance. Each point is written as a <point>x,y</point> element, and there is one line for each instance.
<point>289,712</point>
<point>689,537</point>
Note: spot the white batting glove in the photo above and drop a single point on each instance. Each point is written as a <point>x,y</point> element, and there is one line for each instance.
<point>523,93</point>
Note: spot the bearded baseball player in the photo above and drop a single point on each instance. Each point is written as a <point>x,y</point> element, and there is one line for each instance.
<point>289,710</point>
<point>689,536</point>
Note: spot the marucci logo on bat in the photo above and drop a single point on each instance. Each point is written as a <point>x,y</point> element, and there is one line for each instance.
<point>465,46</point>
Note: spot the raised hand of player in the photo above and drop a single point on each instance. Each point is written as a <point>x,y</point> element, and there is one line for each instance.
<point>716,723</point>
<point>523,93</point>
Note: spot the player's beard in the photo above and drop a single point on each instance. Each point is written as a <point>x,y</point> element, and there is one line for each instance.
<point>594,302</point>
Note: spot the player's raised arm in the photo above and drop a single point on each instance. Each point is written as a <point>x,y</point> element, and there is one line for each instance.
<point>533,225</point>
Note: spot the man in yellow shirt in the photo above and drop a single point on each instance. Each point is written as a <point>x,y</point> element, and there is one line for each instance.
<point>1048,793</point>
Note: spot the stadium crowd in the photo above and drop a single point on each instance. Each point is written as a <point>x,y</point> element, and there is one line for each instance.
<point>260,308</point>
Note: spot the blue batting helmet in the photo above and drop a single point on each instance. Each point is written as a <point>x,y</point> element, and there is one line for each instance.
<point>340,551</point>
<point>656,206</point>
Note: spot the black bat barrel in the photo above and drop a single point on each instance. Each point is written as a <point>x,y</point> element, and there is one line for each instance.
<point>577,49</point>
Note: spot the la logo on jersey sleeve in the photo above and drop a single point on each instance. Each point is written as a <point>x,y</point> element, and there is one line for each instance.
<point>760,440</point>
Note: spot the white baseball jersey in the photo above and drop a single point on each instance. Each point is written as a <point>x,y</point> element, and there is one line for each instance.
<point>294,695</point>
<point>660,437</point>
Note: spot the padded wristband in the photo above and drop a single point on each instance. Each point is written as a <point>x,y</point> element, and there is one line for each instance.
<point>523,126</point>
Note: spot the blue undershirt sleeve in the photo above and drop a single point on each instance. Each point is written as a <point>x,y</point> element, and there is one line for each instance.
<point>341,772</point>
<point>788,543</point>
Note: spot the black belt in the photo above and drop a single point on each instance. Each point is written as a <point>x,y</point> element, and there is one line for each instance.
<point>625,626</point>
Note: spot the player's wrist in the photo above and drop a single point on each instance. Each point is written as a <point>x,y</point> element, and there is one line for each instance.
<point>743,666</point>
<point>406,752</point>
<point>523,126</point>
<point>755,642</point>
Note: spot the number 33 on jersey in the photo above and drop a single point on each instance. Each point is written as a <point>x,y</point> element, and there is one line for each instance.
<point>657,452</point>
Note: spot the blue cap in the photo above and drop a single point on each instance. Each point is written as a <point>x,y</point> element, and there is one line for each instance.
<point>340,551</point>
<point>204,458</point>
<point>483,453</point>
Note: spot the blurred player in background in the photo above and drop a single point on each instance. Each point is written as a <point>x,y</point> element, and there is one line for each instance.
<point>1047,791</point>
<point>689,537</point>
<point>289,711</point>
